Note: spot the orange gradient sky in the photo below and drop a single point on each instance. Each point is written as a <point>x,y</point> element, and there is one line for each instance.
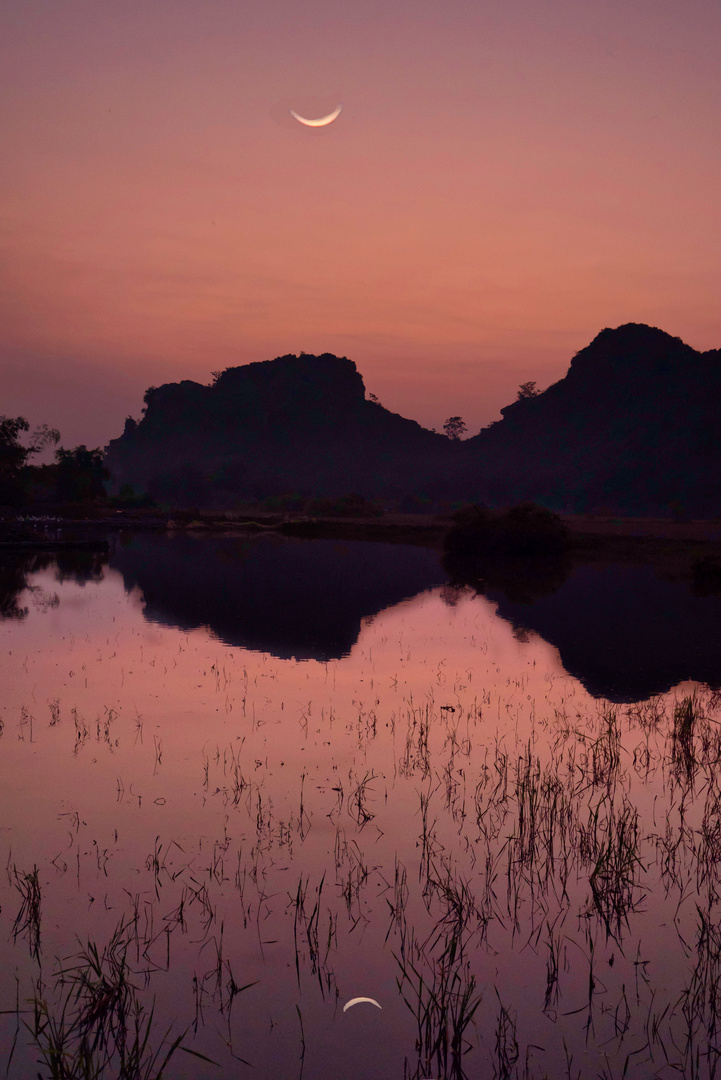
<point>507,178</point>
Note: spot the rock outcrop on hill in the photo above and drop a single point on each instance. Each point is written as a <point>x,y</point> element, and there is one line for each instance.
<point>632,427</point>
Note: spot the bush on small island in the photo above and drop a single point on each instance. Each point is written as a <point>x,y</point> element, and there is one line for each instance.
<point>526,529</point>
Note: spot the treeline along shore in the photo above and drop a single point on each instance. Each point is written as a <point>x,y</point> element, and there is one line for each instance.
<point>688,551</point>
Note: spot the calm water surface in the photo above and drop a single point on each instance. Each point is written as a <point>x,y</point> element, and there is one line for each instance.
<point>320,770</point>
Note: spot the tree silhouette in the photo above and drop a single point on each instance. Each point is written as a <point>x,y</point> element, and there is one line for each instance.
<point>454,427</point>
<point>81,474</point>
<point>14,454</point>
<point>526,390</point>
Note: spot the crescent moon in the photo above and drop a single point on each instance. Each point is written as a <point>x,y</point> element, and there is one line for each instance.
<point>357,1001</point>
<point>322,122</point>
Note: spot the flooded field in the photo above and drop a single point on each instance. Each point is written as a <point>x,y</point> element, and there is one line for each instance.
<point>245,783</point>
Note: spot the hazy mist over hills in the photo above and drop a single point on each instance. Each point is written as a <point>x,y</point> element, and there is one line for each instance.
<point>632,427</point>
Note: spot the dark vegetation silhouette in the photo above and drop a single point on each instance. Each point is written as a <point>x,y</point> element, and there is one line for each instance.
<point>15,455</point>
<point>455,427</point>
<point>80,474</point>
<point>631,428</point>
<point>77,478</point>
<point>521,530</point>
<point>527,390</point>
<point>77,475</point>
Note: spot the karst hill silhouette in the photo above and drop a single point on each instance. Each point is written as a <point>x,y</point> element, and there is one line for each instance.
<point>632,427</point>
<point>294,424</point>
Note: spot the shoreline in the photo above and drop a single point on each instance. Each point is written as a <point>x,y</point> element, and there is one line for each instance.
<point>591,538</point>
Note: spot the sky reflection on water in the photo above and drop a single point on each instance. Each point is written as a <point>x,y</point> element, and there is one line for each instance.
<point>322,821</point>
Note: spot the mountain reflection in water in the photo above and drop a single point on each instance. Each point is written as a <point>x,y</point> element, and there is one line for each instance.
<point>625,633</point>
<point>304,599</point>
<point>622,631</point>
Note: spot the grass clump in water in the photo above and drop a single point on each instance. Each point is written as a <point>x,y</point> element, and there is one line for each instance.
<point>684,722</point>
<point>27,922</point>
<point>97,1026</point>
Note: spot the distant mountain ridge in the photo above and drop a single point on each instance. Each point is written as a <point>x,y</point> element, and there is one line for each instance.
<point>633,426</point>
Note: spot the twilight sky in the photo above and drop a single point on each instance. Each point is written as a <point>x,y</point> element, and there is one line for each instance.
<point>507,178</point>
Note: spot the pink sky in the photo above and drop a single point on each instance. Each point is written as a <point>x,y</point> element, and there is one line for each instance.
<point>506,178</point>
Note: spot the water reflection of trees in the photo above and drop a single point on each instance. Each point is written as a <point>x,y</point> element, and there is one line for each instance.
<point>80,566</point>
<point>521,579</point>
<point>13,581</point>
<point>16,567</point>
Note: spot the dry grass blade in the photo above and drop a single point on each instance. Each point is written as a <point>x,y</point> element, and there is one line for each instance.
<point>27,921</point>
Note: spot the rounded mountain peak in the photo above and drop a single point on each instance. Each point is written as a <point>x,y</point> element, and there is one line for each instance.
<point>631,347</point>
